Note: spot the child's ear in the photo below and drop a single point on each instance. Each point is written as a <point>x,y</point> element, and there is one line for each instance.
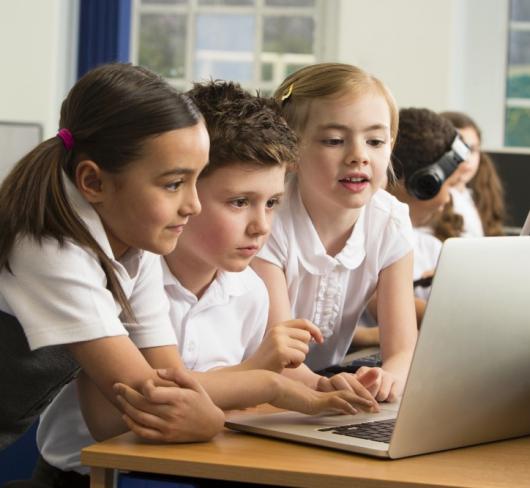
<point>89,179</point>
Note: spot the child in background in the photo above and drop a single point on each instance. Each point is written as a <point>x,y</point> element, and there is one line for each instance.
<point>423,147</point>
<point>478,194</point>
<point>425,141</point>
<point>219,306</point>
<point>78,288</point>
<point>338,237</point>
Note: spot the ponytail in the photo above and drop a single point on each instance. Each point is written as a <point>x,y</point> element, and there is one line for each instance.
<point>110,112</point>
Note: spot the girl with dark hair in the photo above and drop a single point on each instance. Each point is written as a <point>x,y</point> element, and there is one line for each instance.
<point>477,195</point>
<point>82,217</point>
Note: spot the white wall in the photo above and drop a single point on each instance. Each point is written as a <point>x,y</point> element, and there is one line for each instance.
<point>38,51</point>
<point>439,54</point>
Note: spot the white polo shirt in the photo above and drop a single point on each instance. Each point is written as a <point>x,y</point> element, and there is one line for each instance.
<point>331,291</point>
<point>225,326</point>
<point>426,252</point>
<point>58,292</point>
<point>464,205</point>
<point>222,328</point>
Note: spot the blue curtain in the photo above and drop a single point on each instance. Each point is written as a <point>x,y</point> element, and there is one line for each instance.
<point>104,32</point>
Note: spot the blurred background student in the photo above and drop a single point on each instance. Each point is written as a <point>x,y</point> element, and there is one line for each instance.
<point>477,208</point>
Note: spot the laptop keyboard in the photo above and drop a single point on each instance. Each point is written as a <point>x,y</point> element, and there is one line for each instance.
<point>372,361</point>
<point>379,430</point>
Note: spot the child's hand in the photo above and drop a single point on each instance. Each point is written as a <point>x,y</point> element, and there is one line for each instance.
<point>348,381</point>
<point>180,413</point>
<point>294,395</point>
<point>383,385</point>
<point>285,345</point>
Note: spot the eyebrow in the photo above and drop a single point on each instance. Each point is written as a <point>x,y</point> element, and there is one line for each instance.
<point>178,171</point>
<point>252,193</point>
<point>346,128</point>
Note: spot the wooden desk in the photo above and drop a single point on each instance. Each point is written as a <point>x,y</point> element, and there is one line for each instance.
<point>243,457</point>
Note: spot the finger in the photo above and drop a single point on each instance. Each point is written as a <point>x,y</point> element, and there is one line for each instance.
<point>374,384</point>
<point>298,335</point>
<point>384,389</point>
<point>355,386</point>
<point>292,358</point>
<point>181,377</point>
<point>339,404</point>
<point>308,326</point>
<point>369,376</point>
<point>298,345</point>
<point>141,417</point>
<point>339,382</point>
<point>324,384</point>
<point>392,396</point>
<point>142,431</point>
<point>136,400</point>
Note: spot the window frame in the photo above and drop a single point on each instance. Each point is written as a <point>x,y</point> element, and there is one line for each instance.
<point>324,42</point>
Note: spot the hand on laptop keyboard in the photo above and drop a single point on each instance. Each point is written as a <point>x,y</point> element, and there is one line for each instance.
<point>383,385</point>
<point>346,381</point>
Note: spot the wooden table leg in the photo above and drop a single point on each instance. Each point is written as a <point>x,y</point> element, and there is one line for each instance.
<point>101,478</point>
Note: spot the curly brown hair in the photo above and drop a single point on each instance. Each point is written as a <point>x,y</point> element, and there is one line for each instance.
<point>423,137</point>
<point>243,128</point>
<point>488,192</point>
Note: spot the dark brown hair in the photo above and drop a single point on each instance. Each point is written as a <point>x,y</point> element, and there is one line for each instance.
<point>243,128</point>
<point>488,192</point>
<point>423,137</point>
<point>110,111</point>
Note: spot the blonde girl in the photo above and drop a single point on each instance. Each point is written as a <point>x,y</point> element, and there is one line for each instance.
<point>339,238</point>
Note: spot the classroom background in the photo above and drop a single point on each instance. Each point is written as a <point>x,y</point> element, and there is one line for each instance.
<point>467,55</point>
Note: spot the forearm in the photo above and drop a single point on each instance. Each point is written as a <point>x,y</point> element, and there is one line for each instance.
<point>127,365</point>
<point>103,419</point>
<point>304,375</point>
<point>232,389</point>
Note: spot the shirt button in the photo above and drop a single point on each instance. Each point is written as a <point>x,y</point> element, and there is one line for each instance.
<point>191,346</point>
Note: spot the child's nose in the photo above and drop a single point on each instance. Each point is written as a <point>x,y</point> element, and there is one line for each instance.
<point>259,225</point>
<point>358,154</point>
<point>192,205</point>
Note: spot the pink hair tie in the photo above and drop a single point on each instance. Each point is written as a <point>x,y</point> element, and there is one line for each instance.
<point>67,138</point>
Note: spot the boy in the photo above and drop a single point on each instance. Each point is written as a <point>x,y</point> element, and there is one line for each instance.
<point>218,305</point>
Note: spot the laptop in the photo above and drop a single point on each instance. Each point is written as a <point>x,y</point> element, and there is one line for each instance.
<point>469,380</point>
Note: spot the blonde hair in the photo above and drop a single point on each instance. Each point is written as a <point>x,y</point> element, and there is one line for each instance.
<point>299,89</point>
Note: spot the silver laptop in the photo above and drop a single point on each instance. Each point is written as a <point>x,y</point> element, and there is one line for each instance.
<point>469,381</point>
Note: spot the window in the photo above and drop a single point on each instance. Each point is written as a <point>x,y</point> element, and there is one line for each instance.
<point>517,128</point>
<point>254,42</point>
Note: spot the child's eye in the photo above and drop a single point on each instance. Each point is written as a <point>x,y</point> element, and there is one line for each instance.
<point>174,186</point>
<point>333,141</point>
<point>376,142</point>
<point>273,202</point>
<point>239,202</point>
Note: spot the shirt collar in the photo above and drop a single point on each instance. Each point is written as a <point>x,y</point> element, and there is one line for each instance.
<point>313,255</point>
<point>225,285</point>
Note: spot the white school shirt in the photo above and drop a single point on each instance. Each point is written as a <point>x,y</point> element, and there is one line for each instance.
<point>331,291</point>
<point>59,295</point>
<point>225,325</point>
<point>426,253</point>
<point>222,328</point>
<point>464,205</point>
